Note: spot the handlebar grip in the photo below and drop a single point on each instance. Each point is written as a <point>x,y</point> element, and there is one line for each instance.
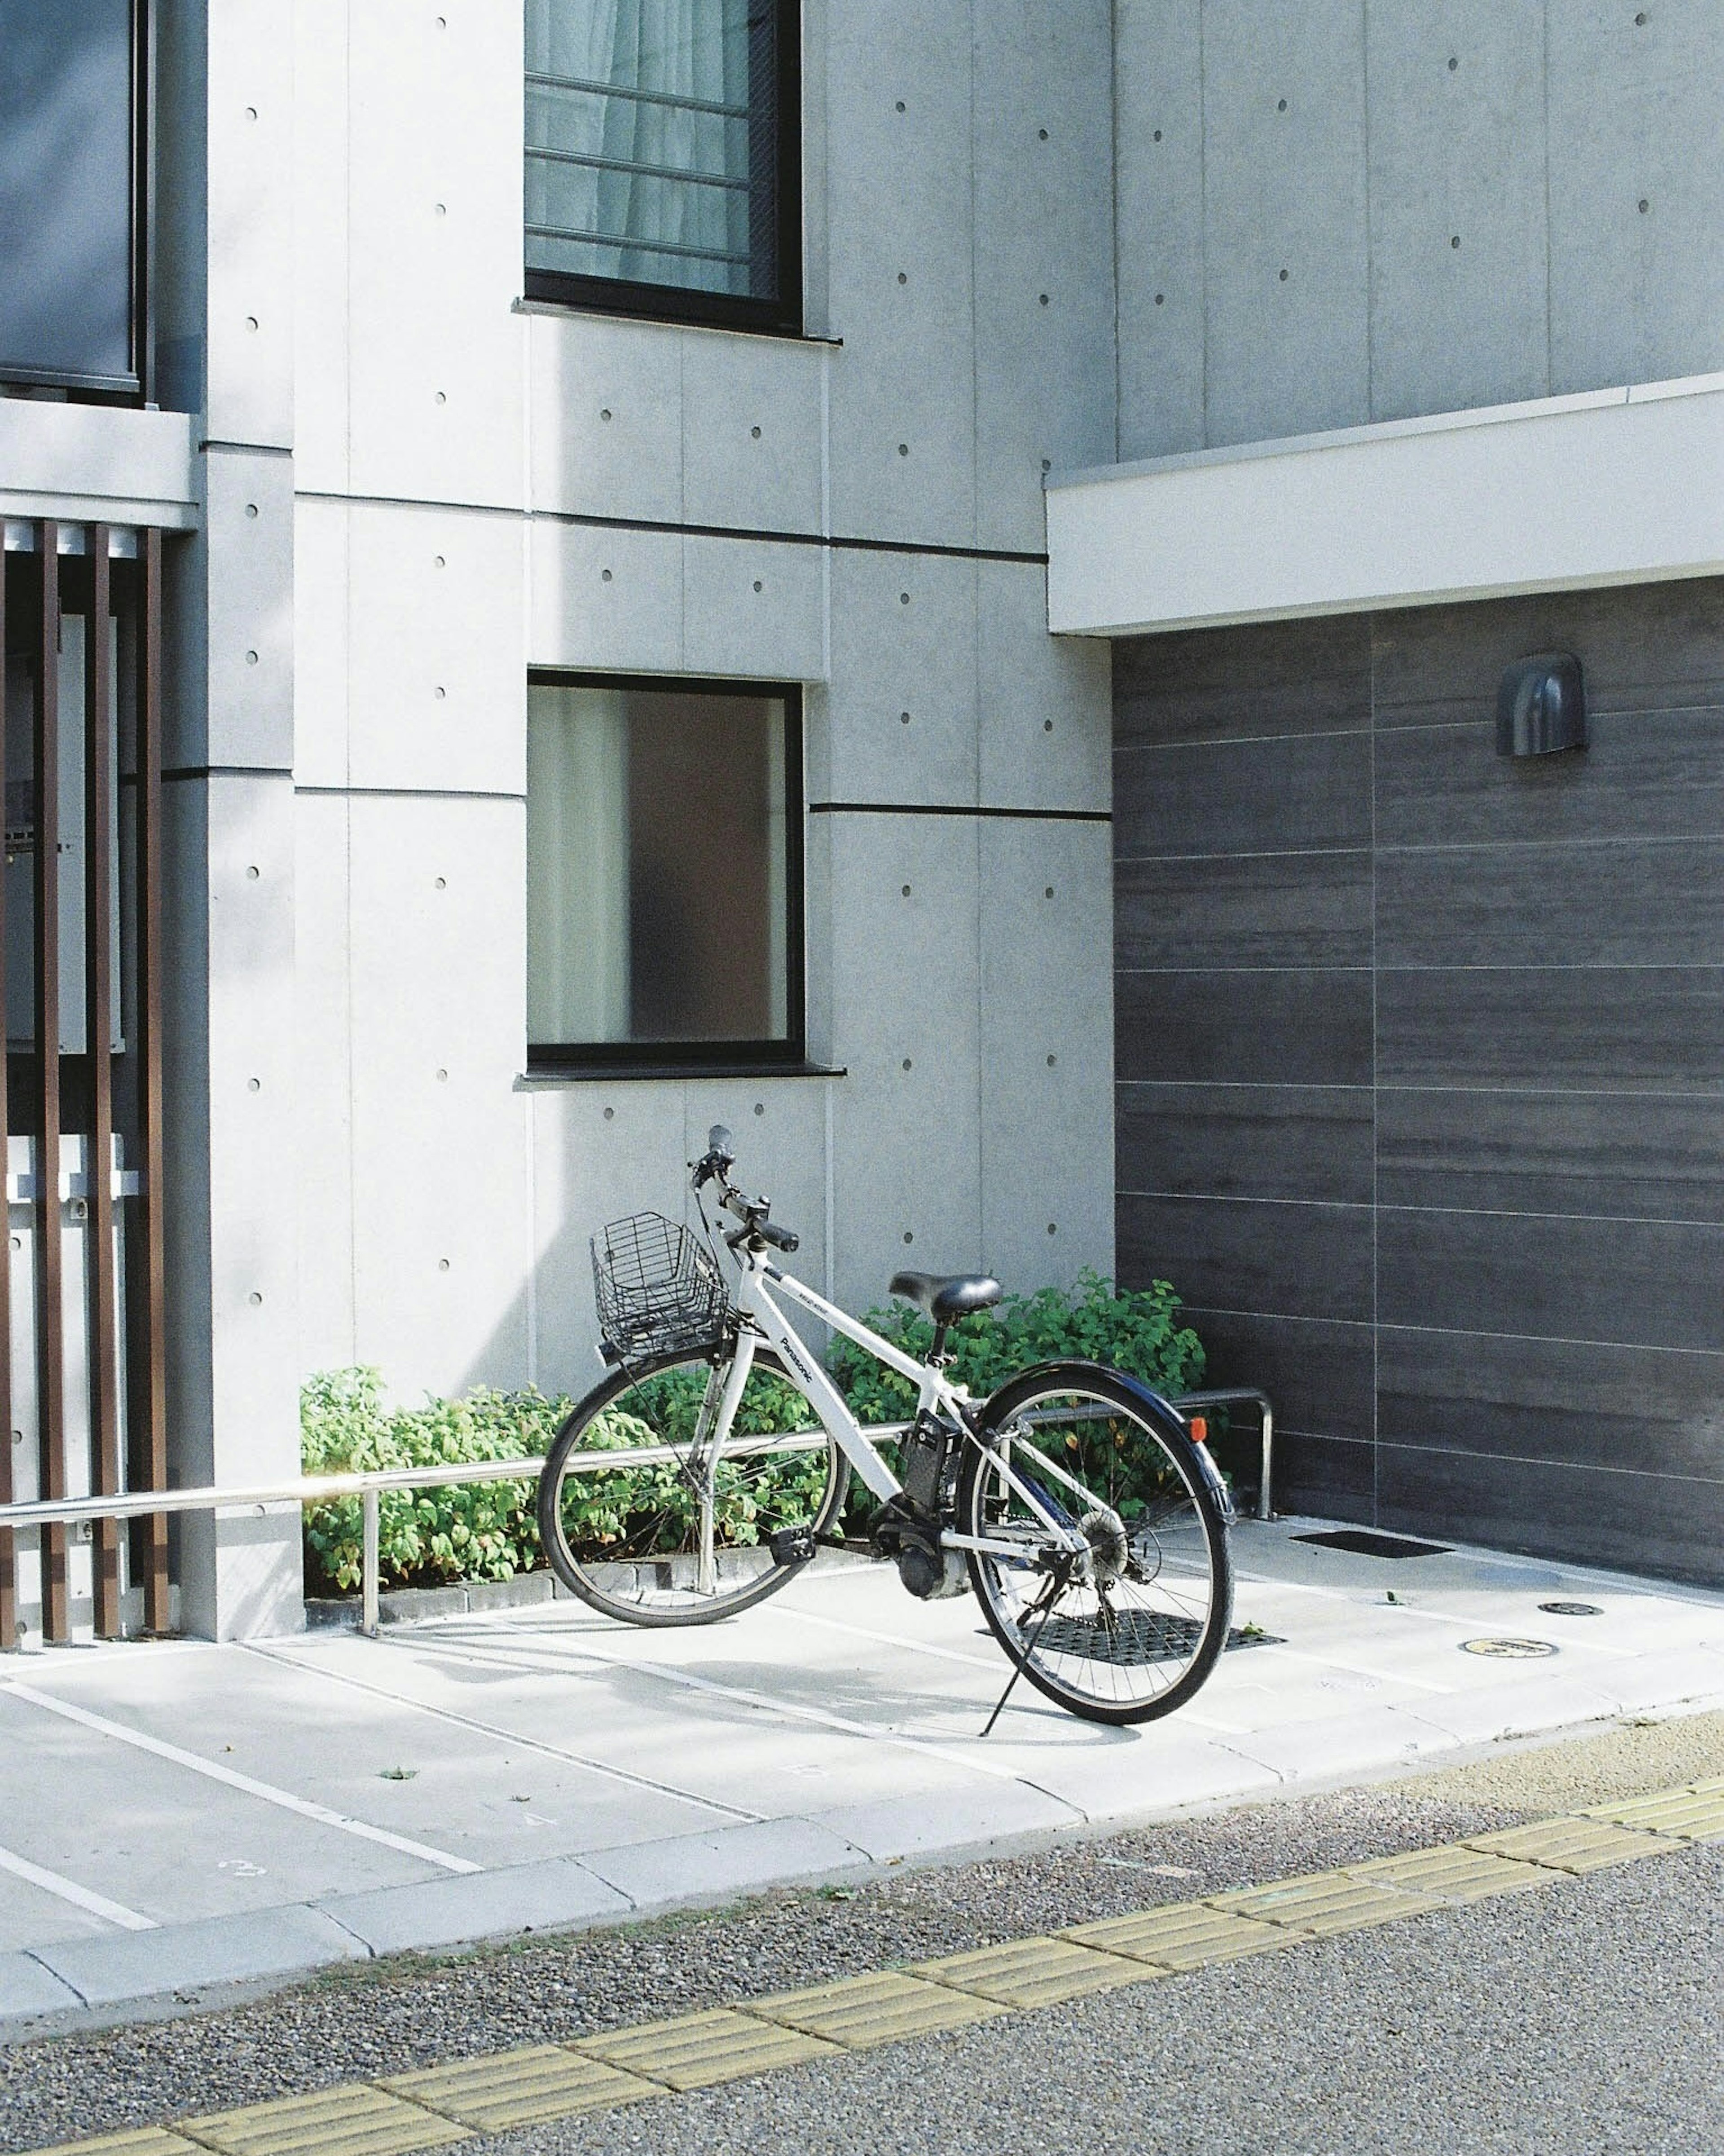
<point>781,1239</point>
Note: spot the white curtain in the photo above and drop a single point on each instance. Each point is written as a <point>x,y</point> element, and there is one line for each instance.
<point>578,985</point>
<point>696,49</point>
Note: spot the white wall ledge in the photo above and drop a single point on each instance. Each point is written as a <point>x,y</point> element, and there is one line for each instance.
<point>1616,486</point>
<point>97,463</point>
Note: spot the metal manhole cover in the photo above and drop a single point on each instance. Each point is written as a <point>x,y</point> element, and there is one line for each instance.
<point>1571,1609</point>
<point>1508,1650</point>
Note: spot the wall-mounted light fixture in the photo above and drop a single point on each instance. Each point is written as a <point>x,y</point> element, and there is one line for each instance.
<point>1541,706</point>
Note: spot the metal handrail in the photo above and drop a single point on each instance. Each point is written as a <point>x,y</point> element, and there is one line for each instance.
<point>368,1485</point>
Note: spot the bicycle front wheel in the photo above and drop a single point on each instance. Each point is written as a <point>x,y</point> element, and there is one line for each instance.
<point>1134,1624</point>
<point>645,1518</point>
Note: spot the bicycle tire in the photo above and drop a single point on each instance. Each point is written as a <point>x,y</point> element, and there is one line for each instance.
<point>1142,1636</point>
<point>627,1542</point>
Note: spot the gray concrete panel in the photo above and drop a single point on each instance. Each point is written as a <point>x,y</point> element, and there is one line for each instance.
<point>250,275</point>
<point>321,587</point>
<point>1046,1051</point>
<point>753,610</point>
<point>439,1153</point>
<point>1457,197</point>
<point>439,359</point>
<point>1158,191</point>
<point>1284,222</point>
<point>1043,254</point>
<point>605,416</point>
<point>436,663</point>
<point>246,549</point>
<point>905,990</point>
<point>899,207</point>
<point>903,629</point>
<point>323,1109</point>
<point>1637,294</point>
<point>604,598</point>
<point>779,1125</point>
<point>1043,709</point>
<point>753,431</point>
<point>321,361</point>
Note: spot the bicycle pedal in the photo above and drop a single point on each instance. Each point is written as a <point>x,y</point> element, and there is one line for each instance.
<point>792,1546</point>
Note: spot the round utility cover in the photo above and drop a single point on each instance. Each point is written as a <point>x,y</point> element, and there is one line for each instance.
<point>1571,1609</point>
<point>1509,1649</point>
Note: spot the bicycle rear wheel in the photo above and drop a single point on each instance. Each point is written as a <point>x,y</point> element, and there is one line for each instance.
<point>1137,1628</point>
<point>644,1519</point>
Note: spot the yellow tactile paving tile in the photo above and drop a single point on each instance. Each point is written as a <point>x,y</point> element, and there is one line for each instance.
<point>358,2120</point>
<point>1712,1786</point>
<point>861,2011</point>
<point>697,2050</point>
<point>1325,1902</point>
<point>1454,1876</point>
<point>520,2088</point>
<point>1182,1935</point>
<point>1684,1814</point>
<point>139,2141</point>
<point>1574,1845</point>
<point>1041,1971</point>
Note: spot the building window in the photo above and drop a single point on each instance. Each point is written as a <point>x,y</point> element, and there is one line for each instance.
<point>664,867</point>
<point>72,108</point>
<point>662,164</point>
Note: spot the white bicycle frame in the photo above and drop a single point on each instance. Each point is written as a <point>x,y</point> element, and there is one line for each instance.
<point>765,1324</point>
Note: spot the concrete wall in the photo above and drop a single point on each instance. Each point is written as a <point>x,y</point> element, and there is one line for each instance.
<point>1421,1059</point>
<point>1352,210</point>
<point>480,489</point>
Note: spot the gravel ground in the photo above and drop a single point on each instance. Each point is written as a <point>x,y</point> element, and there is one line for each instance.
<point>1586,2018</point>
<point>385,2016</point>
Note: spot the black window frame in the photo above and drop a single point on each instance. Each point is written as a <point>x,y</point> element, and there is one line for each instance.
<point>709,1058</point>
<point>781,316</point>
<point>137,387</point>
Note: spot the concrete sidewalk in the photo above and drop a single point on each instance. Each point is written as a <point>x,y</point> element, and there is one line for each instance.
<point>180,1817</point>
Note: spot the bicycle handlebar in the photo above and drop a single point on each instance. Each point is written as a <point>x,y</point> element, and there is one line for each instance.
<point>715,1165</point>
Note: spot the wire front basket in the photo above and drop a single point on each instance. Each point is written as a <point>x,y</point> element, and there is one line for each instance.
<point>657,1286</point>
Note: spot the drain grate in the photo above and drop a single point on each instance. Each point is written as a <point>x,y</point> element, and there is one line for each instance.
<point>1136,1637</point>
<point>1363,1541</point>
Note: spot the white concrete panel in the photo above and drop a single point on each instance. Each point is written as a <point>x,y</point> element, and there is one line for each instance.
<point>323,1121</point>
<point>899,209</point>
<point>1283,183</point>
<point>905,991</point>
<point>606,417</point>
<point>1158,214</point>
<point>1046,737</point>
<point>438,660</point>
<point>248,554</point>
<point>438,357</point>
<point>903,639</point>
<point>1457,194</point>
<point>604,598</point>
<point>441,1251</point>
<point>1043,150</point>
<point>753,610</point>
<point>1046,1051</point>
<point>1637,294</point>
<point>1627,486</point>
<point>321,677</point>
<point>248,386</point>
<point>753,431</point>
<point>96,460</point>
<point>779,1126</point>
<point>601,1149</point>
<point>320,122</point>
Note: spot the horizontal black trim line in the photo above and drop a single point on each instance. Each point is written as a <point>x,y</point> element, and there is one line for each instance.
<point>409,794</point>
<point>572,1074</point>
<point>583,520</point>
<point>960,809</point>
<point>223,771</point>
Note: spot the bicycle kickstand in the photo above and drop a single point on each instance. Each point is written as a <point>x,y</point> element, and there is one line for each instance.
<point>1050,1595</point>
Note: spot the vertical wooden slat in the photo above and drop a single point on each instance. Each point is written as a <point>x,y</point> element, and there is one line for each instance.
<point>8,1557</point>
<point>50,1364</point>
<point>98,1037</point>
<point>147,1269</point>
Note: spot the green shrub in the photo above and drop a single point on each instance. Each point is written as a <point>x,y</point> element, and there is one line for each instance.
<point>487,1530</point>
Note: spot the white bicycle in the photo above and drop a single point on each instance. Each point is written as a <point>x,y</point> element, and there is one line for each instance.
<point>712,1463</point>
